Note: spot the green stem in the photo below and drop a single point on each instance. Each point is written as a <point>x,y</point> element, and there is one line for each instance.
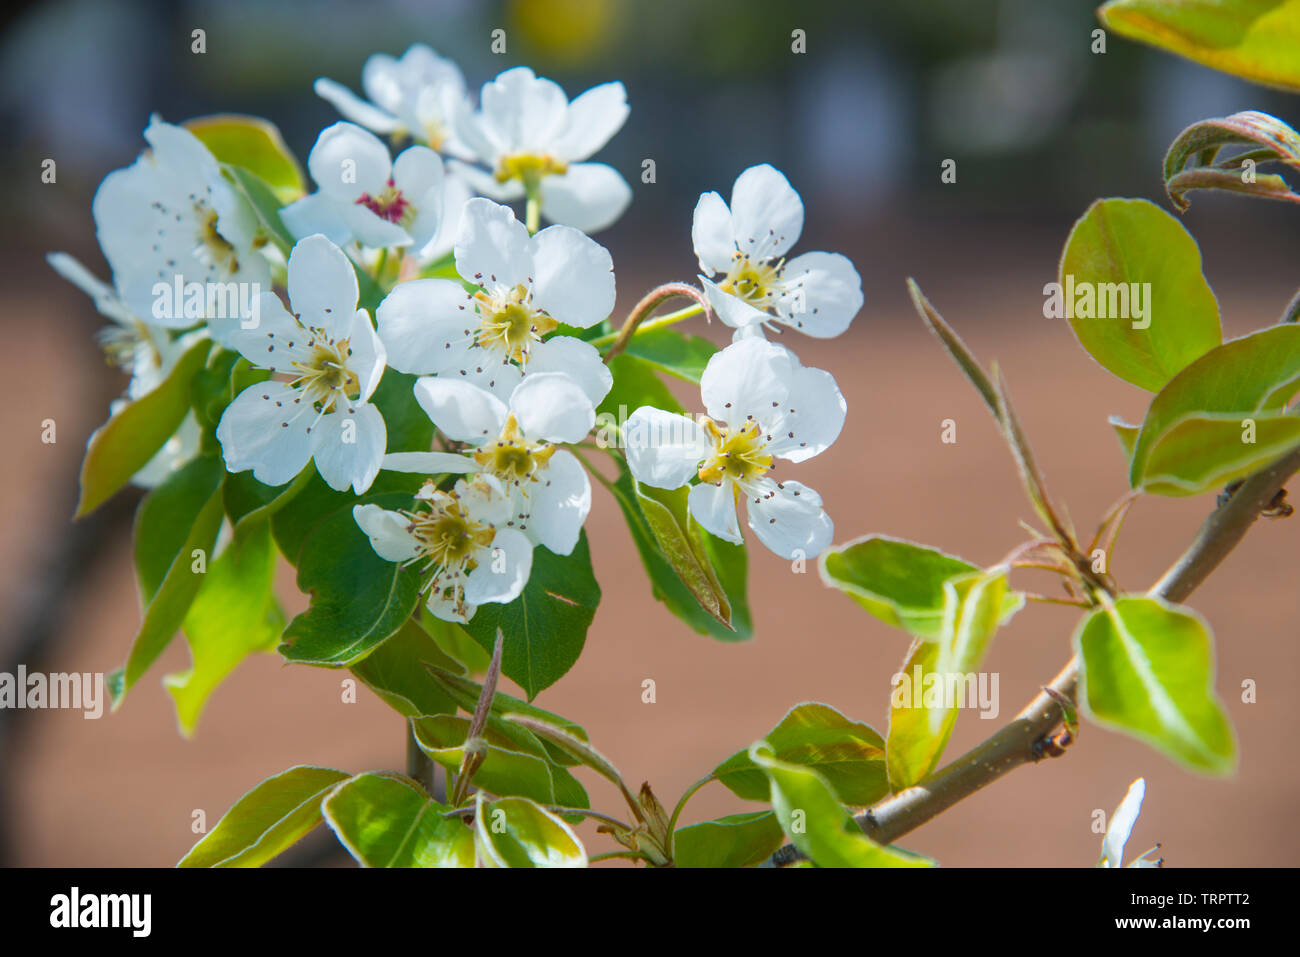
<point>681,803</point>
<point>533,207</point>
<point>648,304</point>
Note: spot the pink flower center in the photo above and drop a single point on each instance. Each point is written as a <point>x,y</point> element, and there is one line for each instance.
<point>389,205</point>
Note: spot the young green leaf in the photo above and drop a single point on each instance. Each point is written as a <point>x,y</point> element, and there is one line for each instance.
<point>395,672</point>
<point>1126,433</point>
<point>940,677</point>
<point>233,615</point>
<point>673,352</point>
<point>267,820</point>
<point>1256,40</point>
<point>515,832</point>
<point>254,144</point>
<point>815,821</point>
<point>125,443</point>
<point>848,754</point>
<point>1203,452</point>
<point>545,627</point>
<point>681,545</point>
<point>1132,289</point>
<point>1243,378</point>
<point>386,820</point>
<point>1148,670</point>
<point>899,582</point>
<point>738,840</point>
<point>1269,140</point>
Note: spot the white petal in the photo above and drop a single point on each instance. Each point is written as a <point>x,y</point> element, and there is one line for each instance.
<point>664,450</point>
<point>493,247</point>
<point>371,229</point>
<point>461,411</point>
<point>591,121</point>
<point>348,161</point>
<point>821,294</point>
<point>104,296</point>
<point>178,150</point>
<point>455,194</point>
<point>503,576</point>
<point>275,340</point>
<point>1121,824</point>
<point>747,379</point>
<point>322,284</point>
<point>418,173</point>
<point>524,112</point>
<point>766,212</point>
<point>348,446</point>
<point>354,108</point>
<point>732,310</point>
<point>813,410</point>
<point>421,319</point>
<point>317,213</point>
<point>429,463</point>
<point>485,499</point>
<point>367,357</point>
<point>579,360</point>
<point>265,429</point>
<point>712,234</point>
<point>552,407</point>
<point>573,276</point>
<point>387,532</point>
<point>789,519</point>
<point>485,184</point>
<point>588,196</point>
<point>714,507</point>
<point>559,505</point>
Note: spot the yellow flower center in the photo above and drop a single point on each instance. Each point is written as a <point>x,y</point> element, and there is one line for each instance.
<point>738,455</point>
<point>447,536</point>
<point>509,324</point>
<point>754,282</point>
<point>213,246</point>
<point>325,376</point>
<point>528,168</point>
<point>512,458</point>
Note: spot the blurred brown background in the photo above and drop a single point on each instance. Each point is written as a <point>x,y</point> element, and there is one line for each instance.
<point>860,123</point>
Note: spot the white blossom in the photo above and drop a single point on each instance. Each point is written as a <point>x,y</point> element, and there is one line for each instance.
<point>329,361</point>
<point>532,138</point>
<point>527,286</point>
<point>762,406</point>
<point>458,537</point>
<point>1121,826</point>
<point>745,244</point>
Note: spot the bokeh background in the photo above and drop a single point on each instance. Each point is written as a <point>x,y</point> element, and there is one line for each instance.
<point>1039,126</point>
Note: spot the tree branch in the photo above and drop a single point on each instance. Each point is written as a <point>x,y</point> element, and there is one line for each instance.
<point>1021,741</point>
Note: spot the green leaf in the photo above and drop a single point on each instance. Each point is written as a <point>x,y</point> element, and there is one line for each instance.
<point>469,658</point>
<point>515,832</point>
<point>1126,433</point>
<point>357,598</point>
<point>577,748</point>
<point>815,821</point>
<point>848,754</point>
<point>939,677</point>
<point>505,771</point>
<point>316,503</point>
<point>254,144</point>
<point>249,503</point>
<point>386,820</point>
<point>738,840</point>
<point>125,443</point>
<point>233,615</point>
<point>408,426</point>
<point>265,204</point>
<point>672,352</point>
<point>1148,670</point>
<point>680,541</point>
<point>636,383</point>
<point>546,626</point>
<point>1257,40</point>
<point>1246,377</point>
<point>395,672</point>
<point>1200,453</point>
<point>1199,145</point>
<point>175,521</point>
<point>267,820</point>
<point>726,563</point>
<point>1123,250</point>
<point>897,581</point>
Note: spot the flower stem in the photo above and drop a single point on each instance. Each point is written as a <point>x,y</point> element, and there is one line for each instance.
<point>636,319</point>
<point>533,208</point>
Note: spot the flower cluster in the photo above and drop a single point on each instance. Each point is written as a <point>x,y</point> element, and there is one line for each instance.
<point>496,321</point>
